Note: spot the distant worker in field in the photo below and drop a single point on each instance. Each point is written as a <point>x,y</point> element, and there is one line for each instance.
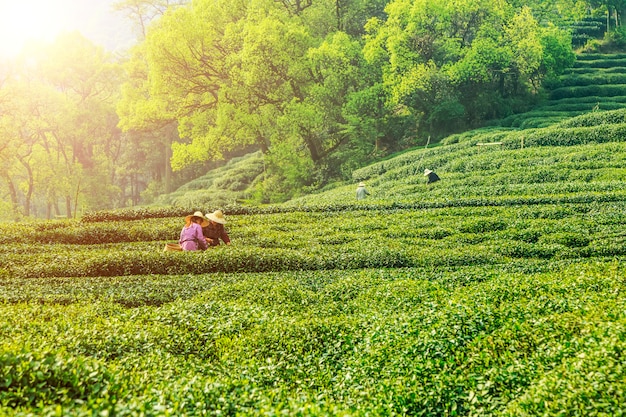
<point>214,230</point>
<point>432,177</point>
<point>361,192</point>
<point>191,237</point>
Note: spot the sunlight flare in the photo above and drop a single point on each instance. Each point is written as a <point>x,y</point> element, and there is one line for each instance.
<point>31,20</point>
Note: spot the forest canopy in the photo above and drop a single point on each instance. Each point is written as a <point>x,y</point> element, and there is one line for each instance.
<point>320,87</point>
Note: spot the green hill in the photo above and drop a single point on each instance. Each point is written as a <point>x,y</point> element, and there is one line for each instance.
<point>226,185</point>
<point>596,84</point>
<point>584,154</point>
<point>497,291</point>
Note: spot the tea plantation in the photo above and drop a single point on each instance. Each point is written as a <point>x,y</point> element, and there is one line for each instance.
<point>497,291</point>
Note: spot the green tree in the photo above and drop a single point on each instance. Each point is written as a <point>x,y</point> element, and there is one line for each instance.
<point>557,52</point>
<point>59,127</point>
<point>24,123</point>
<point>554,12</point>
<point>300,84</point>
<point>85,131</point>
<point>419,44</point>
<point>324,17</point>
<point>187,55</point>
<point>13,146</point>
<point>615,9</point>
<point>453,65</point>
<point>147,129</point>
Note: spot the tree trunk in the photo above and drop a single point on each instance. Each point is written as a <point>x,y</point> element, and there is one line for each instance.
<point>57,210</point>
<point>167,181</point>
<point>29,191</point>
<point>76,195</point>
<point>312,146</point>
<point>15,205</point>
<point>263,145</point>
<point>620,13</point>
<point>134,189</point>
<point>68,206</point>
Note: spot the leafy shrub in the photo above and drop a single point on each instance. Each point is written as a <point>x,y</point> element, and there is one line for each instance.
<point>434,233</point>
<point>595,119</point>
<point>30,379</point>
<point>482,226</point>
<point>572,240</point>
<point>590,79</point>
<point>528,235</point>
<point>527,250</point>
<point>588,90</point>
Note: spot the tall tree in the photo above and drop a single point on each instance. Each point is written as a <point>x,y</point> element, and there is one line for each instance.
<point>186,53</point>
<point>150,130</point>
<point>85,131</point>
<point>231,75</point>
<point>457,64</point>
<point>142,12</point>
<point>23,127</point>
<point>59,127</point>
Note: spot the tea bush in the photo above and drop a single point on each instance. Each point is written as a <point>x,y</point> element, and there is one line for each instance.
<point>467,339</point>
<point>398,237</point>
<point>28,379</point>
<point>497,291</point>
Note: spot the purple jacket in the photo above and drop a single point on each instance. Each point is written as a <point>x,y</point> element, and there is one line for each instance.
<point>191,238</point>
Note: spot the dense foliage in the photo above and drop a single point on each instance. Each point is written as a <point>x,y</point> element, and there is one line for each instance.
<point>552,122</point>
<point>463,341</point>
<point>497,291</point>
<point>320,100</point>
<point>491,328</point>
<point>319,87</point>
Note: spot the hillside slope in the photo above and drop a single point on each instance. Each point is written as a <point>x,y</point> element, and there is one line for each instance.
<point>572,141</point>
<point>585,154</point>
<point>226,185</point>
<point>596,82</point>
<point>497,291</point>
<point>581,108</point>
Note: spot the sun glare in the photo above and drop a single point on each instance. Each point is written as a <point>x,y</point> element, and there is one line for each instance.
<point>25,20</point>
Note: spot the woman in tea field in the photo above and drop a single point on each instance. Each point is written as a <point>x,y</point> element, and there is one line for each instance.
<point>191,237</point>
<point>214,229</point>
<point>432,177</point>
<point>361,191</point>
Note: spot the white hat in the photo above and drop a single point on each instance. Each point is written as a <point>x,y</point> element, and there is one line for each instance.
<point>217,216</point>
<point>426,172</point>
<point>361,184</point>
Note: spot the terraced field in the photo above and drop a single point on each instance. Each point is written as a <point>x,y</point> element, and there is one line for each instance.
<point>596,82</point>
<point>497,291</point>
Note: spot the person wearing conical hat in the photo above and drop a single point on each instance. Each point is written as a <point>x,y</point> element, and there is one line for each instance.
<point>432,177</point>
<point>361,191</point>
<point>214,229</point>
<point>191,237</point>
